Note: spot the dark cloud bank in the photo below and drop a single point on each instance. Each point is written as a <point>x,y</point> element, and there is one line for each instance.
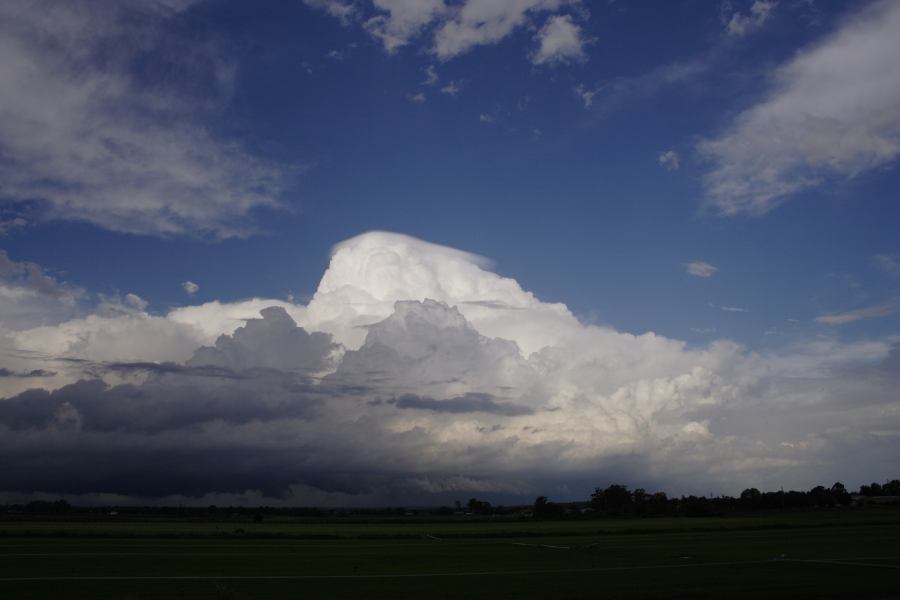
<point>417,414</point>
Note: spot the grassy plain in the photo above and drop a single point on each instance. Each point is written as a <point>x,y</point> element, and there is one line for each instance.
<point>824,554</point>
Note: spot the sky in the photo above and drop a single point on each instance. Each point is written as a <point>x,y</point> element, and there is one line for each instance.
<point>355,253</point>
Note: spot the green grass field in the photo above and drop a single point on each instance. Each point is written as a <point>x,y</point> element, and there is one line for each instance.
<point>840,554</point>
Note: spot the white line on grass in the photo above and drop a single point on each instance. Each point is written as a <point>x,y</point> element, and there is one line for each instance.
<point>733,563</point>
<point>838,561</point>
<point>386,575</point>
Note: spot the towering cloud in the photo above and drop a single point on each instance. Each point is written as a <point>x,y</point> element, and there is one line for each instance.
<point>415,374</point>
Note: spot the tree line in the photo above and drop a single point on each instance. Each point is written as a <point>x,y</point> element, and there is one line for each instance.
<point>612,501</point>
<point>617,500</point>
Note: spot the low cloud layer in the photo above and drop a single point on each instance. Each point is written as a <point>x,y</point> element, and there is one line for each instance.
<point>416,375</point>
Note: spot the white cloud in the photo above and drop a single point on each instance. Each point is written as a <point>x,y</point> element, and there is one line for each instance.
<point>481,22</point>
<point>669,160</point>
<point>699,268</point>
<point>703,330</point>
<point>404,20</point>
<point>485,118</point>
<point>431,76</point>
<point>414,359</point>
<point>136,302</point>
<point>85,140</point>
<point>887,263</point>
<point>190,287</point>
<point>738,24</point>
<point>833,112</point>
<point>560,40</point>
<point>871,312</point>
<point>586,95</point>
<point>31,276</point>
<point>30,297</point>
<point>452,88</point>
<point>726,308</point>
<point>343,10</point>
<point>458,27</point>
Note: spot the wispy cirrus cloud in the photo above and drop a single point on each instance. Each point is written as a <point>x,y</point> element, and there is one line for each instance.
<point>832,113</point>
<point>860,314</point>
<point>700,268</point>
<point>727,308</point>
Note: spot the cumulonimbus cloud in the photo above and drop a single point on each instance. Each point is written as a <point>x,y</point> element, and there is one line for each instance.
<point>416,374</point>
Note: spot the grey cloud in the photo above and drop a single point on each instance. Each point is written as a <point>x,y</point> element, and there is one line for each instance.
<point>427,344</point>
<point>273,342</point>
<point>160,405</point>
<point>468,403</point>
<point>31,276</point>
<point>428,407</point>
<point>26,374</point>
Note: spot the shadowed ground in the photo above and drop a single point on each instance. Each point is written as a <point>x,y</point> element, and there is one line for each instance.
<point>840,554</point>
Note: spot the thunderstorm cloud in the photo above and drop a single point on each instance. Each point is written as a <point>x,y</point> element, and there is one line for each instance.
<point>416,374</point>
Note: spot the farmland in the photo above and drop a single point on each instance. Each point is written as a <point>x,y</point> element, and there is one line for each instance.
<point>839,553</point>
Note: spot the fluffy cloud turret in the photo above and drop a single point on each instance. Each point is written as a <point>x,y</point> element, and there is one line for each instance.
<point>416,374</point>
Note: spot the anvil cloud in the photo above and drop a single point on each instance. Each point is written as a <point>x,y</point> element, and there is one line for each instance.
<point>417,375</point>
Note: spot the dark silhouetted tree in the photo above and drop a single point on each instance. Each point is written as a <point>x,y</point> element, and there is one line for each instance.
<point>544,509</point>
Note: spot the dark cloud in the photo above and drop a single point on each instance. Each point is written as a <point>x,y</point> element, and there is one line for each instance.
<point>472,402</point>
<point>157,406</point>
<point>428,410</point>
<point>26,374</point>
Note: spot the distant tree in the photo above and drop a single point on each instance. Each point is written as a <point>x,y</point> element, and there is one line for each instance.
<point>696,506</point>
<point>751,498</point>
<point>544,509</point>
<point>659,504</point>
<point>818,496</point>
<point>47,507</point>
<point>839,493</point>
<point>892,488</point>
<point>871,490</point>
<point>614,500</point>
<point>479,507</point>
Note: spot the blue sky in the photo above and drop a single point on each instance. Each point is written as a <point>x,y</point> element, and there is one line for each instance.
<point>569,199</point>
<point>701,170</point>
